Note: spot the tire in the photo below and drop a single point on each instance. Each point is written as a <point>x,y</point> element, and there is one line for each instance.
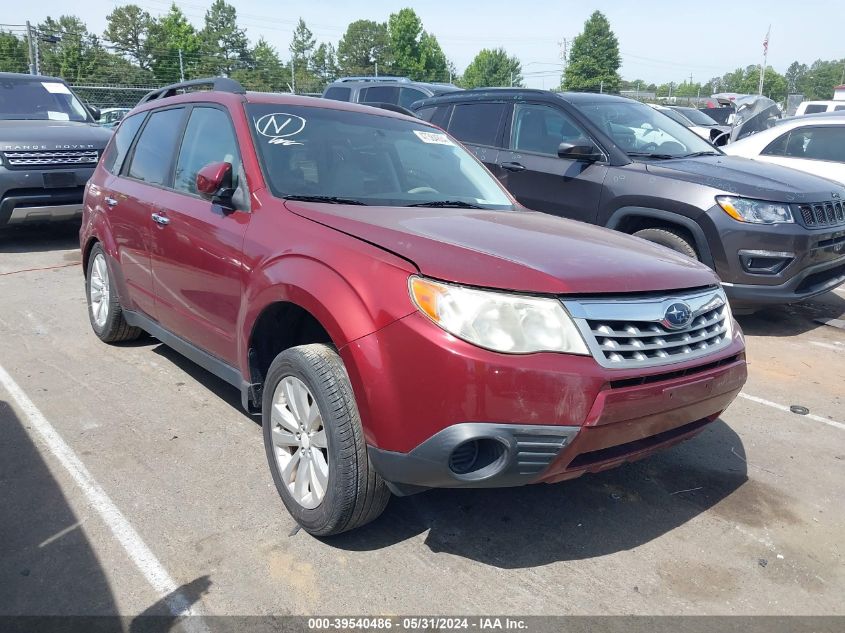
<point>352,493</point>
<point>670,238</point>
<point>111,326</point>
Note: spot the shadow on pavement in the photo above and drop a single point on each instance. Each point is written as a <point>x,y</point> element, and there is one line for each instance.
<point>36,238</point>
<point>795,319</point>
<point>588,517</point>
<point>47,565</point>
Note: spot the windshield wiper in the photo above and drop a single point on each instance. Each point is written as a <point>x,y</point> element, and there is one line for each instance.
<point>458,204</point>
<point>650,155</point>
<point>326,199</point>
<point>707,153</point>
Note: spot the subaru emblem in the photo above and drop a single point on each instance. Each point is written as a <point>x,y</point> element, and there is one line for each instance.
<point>677,315</point>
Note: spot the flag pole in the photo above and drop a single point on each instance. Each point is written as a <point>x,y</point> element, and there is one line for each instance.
<point>765,59</point>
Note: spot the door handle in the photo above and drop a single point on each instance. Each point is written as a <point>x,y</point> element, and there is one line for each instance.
<point>160,219</point>
<point>510,166</point>
<point>111,202</point>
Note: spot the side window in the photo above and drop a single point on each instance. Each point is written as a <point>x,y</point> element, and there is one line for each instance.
<point>814,108</point>
<point>337,93</point>
<point>208,139</point>
<point>122,141</point>
<point>408,95</point>
<point>826,143</point>
<point>154,150</point>
<point>426,113</point>
<point>838,108</point>
<point>778,146</point>
<point>380,94</point>
<point>477,123</point>
<point>541,129</point>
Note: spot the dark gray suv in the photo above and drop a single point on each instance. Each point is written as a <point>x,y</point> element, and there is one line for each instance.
<point>773,234</point>
<point>49,146</point>
<point>399,91</point>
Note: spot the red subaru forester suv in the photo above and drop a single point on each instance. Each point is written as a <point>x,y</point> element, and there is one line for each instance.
<point>398,320</point>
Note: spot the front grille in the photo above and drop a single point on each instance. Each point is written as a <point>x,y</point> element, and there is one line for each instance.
<point>823,214</point>
<point>624,333</point>
<point>57,158</point>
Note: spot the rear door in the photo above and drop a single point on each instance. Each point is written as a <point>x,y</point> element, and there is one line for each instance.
<point>128,221</point>
<point>534,173</point>
<point>197,249</point>
<point>478,125</point>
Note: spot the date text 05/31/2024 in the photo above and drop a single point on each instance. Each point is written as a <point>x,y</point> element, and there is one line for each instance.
<point>415,623</point>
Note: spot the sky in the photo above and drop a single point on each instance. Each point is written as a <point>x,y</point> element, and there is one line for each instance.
<point>660,41</point>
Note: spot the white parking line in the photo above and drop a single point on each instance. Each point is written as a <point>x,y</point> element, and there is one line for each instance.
<point>138,552</point>
<point>836,347</point>
<point>784,408</point>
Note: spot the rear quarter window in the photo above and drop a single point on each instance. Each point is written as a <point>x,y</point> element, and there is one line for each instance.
<point>338,94</point>
<point>121,142</point>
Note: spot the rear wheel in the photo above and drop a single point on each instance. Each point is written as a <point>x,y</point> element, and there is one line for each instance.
<point>315,444</point>
<point>670,238</point>
<point>104,309</point>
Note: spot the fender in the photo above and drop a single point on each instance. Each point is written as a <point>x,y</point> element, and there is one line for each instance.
<point>343,307</point>
<point>99,230</point>
<point>692,226</point>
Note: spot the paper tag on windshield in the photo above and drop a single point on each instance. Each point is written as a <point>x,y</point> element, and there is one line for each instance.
<point>55,87</point>
<point>437,138</point>
<point>58,116</point>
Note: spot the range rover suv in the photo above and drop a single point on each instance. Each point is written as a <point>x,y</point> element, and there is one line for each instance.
<point>49,146</point>
<point>773,234</point>
<point>397,319</point>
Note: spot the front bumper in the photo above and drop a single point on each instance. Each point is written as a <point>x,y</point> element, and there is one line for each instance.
<point>42,195</point>
<point>816,260</point>
<point>422,394</point>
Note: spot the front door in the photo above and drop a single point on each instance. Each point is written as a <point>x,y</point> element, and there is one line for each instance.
<point>197,245</point>
<point>534,173</point>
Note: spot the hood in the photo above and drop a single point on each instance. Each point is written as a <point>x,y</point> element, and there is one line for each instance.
<point>749,178</point>
<point>521,250</point>
<point>49,135</point>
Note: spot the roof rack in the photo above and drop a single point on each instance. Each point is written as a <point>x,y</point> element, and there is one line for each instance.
<point>341,80</point>
<point>221,84</point>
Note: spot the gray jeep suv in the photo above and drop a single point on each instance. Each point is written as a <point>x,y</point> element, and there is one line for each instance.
<point>773,234</point>
<point>49,146</point>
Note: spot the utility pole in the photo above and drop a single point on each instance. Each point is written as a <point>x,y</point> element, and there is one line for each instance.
<point>376,69</point>
<point>765,58</point>
<point>638,91</point>
<point>181,68</point>
<point>601,87</point>
<point>31,46</point>
<point>293,74</point>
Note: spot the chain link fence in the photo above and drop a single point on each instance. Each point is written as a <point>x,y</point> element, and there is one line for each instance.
<point>112,96</point>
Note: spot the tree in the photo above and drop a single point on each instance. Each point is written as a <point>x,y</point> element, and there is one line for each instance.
<point>324,64</point>
<point>492,68</point>
<point>404,30</point>
<point>225,46</point>
<point>268,73</point>
<point>128,29</point>
<point>594,61</point>
<point>168,36</point>
<point>14,56</point>
<point>435,66</point>
<point>301,50</point>
<point>363,46</point>
<point>66,56</point>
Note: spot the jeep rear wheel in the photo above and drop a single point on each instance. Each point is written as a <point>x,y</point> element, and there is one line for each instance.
<point>104,309</point>
<point>315,444</point>
<point>670,238</point>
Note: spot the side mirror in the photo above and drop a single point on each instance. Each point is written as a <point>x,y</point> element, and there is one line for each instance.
<point>583,150</point>
<point>214,183</point>
<point>95,112</point>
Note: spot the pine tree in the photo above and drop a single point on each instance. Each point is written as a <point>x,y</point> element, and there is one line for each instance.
<point>594,60</point>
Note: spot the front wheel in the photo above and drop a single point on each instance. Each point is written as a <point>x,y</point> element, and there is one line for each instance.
<point>670,239</point>
<point>315,444</point>
<point>104,309</point>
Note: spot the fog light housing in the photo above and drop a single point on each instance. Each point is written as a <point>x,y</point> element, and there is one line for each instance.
<point>764,262</point>
<point>477,458</point>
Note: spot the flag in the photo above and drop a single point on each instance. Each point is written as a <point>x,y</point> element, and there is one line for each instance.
<point>766,41</point>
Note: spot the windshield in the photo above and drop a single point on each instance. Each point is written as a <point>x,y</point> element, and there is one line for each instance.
<point>640,130</point>
<point>367,158</point>
<point>27,98</point>
<point>697,116</point>
<point>676,116</point>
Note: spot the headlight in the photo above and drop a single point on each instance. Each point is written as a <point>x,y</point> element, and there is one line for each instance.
<point>755,211</point>
<point>498,321</point>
